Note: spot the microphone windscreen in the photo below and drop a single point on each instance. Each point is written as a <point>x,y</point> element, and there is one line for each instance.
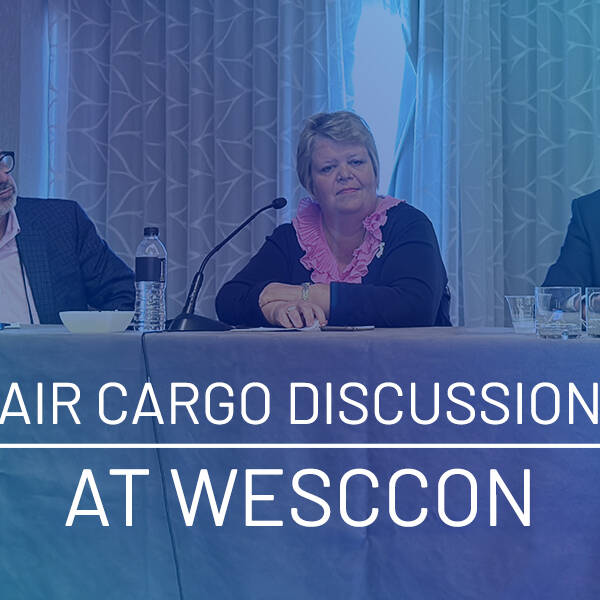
<point>279,203</point>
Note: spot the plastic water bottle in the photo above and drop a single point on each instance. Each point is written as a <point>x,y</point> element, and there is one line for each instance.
<point>150,283</point>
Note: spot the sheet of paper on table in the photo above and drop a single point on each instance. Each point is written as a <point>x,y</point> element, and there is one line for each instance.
<point>314,327</point>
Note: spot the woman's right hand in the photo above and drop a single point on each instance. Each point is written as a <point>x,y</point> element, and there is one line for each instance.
<point>280,291</point>
<point>283,313</point>
<point>319,296</point>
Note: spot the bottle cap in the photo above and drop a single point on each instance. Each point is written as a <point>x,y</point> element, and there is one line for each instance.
<point>150,231</point>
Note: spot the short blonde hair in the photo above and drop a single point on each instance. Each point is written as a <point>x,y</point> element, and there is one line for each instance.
<point>341,126</point>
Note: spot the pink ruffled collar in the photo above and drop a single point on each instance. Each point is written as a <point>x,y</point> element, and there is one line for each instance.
<point>318,257</point>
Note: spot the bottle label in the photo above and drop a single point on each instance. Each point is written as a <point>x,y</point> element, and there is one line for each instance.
<point>150,269</point>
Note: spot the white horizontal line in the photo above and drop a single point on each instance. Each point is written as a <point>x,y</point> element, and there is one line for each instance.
<point>327,446</point>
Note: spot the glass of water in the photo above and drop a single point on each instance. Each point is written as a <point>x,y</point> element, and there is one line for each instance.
<point>522,313</point>
<point>558,312</point>
<point>592,311</point>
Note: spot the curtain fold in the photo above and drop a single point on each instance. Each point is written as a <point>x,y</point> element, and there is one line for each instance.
<point>184,114</point>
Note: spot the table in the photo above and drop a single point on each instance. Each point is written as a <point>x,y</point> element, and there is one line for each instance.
<point>39,556</point>
<point>161,557</point>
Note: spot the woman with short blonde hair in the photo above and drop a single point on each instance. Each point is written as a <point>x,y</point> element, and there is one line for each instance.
<point>350,256</point>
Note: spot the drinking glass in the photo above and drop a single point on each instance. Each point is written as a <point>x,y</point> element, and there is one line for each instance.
<point>522,313</point>
<point>592,311</point>
<point>558,312</point>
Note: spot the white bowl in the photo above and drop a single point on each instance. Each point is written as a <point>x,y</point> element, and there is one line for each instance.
<point>88,321</point>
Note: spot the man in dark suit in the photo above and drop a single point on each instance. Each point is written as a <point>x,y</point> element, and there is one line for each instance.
<point>579,260</point>
<point>52,259</point>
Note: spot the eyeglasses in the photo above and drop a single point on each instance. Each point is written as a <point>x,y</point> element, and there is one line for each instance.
<point>7,161</point>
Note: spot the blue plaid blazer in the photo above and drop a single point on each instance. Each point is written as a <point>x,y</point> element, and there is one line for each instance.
<point>68,265</point>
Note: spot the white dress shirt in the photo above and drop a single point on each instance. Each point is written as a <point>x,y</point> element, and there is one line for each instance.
<point>13,301</point>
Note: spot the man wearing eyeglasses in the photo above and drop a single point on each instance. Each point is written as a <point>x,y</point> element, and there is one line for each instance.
<point>8,190</point>
<point>52,259</point>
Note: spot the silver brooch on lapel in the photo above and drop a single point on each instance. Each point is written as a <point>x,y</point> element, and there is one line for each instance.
<point>380,250</point>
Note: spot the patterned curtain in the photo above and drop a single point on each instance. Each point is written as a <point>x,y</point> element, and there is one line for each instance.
<point>504,133</point>
<point>184,114</point>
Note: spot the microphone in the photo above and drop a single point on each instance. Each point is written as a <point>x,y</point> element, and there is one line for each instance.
<point>187,320</point>
<point>278,203</point>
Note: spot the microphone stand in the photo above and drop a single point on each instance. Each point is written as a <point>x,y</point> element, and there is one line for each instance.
<point>187,320</point>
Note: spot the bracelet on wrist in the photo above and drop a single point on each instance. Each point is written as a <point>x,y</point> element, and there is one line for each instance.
<point>305,291</point>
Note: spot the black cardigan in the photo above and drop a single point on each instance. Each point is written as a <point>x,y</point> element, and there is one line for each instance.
<point>405,287</point>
